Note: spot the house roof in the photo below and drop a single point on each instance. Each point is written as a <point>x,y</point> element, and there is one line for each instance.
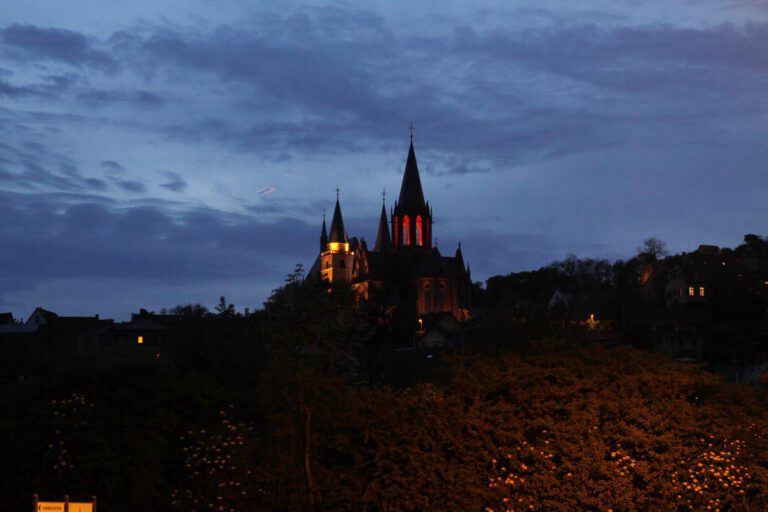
<point>48,316</point>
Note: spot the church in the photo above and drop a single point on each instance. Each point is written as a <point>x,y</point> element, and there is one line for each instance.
<point>403,269</point>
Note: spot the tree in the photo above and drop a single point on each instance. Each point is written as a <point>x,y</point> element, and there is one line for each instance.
<point>652,250</point>
<point>224,309</point>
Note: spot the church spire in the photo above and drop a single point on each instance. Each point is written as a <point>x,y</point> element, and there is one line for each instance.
<point>411,193</point>
<point>338,233</point>
<point>323,235</point>
<point>383,240</point>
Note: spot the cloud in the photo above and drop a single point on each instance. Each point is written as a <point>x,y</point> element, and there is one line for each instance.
<point>29,42</point>
<point>111,165</point>
<point>58,237</point>
<point>103,97</point>
<point>176,183</point>
<point>51,86</point>
<point>266,191</point>
<point>32,166</point>
<point>132,186</point>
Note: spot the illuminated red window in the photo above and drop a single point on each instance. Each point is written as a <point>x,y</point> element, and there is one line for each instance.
<point>419,236</point>
<point>395,232</point>
<point>406,230</point>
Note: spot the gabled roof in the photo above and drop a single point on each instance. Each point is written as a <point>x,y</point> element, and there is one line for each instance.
<point>338,233</point>
<point>434,265</point>
<point>411,193</point>
<point>383,240</point>
<point>43,314</point>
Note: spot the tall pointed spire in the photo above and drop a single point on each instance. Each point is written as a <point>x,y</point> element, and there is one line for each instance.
<point>411,193</point>
<point>323,235</point>
<point>338,233</point>
<point>383,240</point>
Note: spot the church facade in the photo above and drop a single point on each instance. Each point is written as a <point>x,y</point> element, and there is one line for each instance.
<point>403,269</point>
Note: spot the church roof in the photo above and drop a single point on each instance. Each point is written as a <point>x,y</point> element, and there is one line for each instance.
<point>435,265</point>
<point>383,240</point>
<point>338,233</point>
<point>411,193</point>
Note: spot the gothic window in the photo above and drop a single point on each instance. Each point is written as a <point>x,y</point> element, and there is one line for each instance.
<point>441,299</point>
<point>406,230</point>
<point>419,236</point>
<point>691,291</point>
<point>427,298</point>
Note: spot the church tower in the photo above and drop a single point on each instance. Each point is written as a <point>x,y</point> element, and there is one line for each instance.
<point>336,258</point>
<point>412,216</point>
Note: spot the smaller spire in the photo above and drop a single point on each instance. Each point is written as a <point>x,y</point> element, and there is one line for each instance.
<point>338,233</point>
<point>459,257</point>
<point>323,235</point>
<point>383,240</point>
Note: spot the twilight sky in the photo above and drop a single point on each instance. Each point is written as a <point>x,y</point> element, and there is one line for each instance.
<point>156,153</point>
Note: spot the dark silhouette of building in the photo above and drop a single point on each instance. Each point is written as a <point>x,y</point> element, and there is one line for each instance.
<point>403,269</point>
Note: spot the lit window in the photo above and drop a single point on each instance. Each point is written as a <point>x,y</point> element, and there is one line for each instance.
<point>701,291</point>
<point>396,232</point>
<point>406,230</point>
<point>419,238</point>
<point>140,340</point>
<point>691,291</point>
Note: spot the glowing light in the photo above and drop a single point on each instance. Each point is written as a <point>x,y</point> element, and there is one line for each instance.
<point>406,230</point>
<point>701,291</point>
<point>691,291</point>
<point>338,247</point>
<point>419,237</point>
<point>140,340</point>
<point>395,232</point>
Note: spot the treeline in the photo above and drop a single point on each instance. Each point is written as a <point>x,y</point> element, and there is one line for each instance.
<point>315,403</point>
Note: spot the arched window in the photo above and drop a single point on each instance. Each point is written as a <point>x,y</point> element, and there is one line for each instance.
<point>419,235</point>
<point>427,298</point>
<point>406,230</point>
<point>442,302</point>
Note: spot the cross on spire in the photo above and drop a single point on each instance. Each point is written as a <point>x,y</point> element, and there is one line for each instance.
<point>383,196</point>
<point>411,129</point>
<point>337,192</point>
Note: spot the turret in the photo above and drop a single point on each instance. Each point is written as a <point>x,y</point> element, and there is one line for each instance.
<point>323,235</point>
<point>336,259</point>
<point>383,240</point>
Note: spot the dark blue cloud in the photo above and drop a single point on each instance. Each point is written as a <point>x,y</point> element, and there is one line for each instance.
<point>111,165</point>
<point>175,184</point>
<point>32,166</point>
<point>93,239</point>
<point>132,186</point>
<point>29,42</point>
<point>100,97</point>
